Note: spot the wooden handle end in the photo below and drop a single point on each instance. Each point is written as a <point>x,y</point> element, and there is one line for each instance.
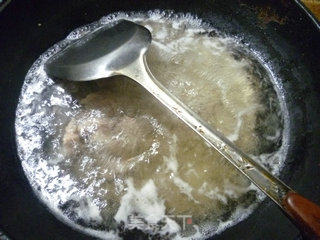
<point>304,213</point>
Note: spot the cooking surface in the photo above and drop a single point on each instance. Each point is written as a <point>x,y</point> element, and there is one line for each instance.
<point>238,229</point>
<point>113,142</point>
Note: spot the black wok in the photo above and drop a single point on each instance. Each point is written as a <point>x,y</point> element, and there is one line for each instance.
<point>288,38</point>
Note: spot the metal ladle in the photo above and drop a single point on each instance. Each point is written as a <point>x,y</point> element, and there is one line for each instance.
<point>120,50</point>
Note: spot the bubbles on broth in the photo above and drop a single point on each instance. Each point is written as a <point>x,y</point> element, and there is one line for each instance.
<point>108,159</point>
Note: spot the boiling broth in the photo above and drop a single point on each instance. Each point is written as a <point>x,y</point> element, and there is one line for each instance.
<point>108,158</point>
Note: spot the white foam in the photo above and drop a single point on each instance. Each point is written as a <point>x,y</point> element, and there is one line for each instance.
<point>212,193</point>
<point>184,187</point>
<point>145,204</point>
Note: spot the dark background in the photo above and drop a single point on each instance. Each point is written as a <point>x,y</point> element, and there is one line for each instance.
<point>280,29</point>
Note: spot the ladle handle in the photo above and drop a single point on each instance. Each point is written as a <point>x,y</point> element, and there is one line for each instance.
<point>264,180</point>
<point>305,214</point>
